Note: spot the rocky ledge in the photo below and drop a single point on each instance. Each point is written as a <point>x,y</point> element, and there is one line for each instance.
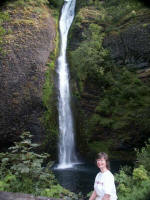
<point>19,196</point>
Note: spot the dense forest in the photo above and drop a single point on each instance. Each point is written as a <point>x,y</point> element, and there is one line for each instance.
<point>109,56</point>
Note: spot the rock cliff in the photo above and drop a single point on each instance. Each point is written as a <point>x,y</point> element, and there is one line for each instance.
<point>130,45</point>
<point>26,46</point>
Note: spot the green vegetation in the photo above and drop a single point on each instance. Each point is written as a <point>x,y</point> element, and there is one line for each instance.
<point>22,15</point>
<point>49,97</point>
<point>113,103</point>
<point>50,115</point>
<point>4,17</point>
<point>28,6</point>
<point>111,13</point>
<point>124,105</point>
<point>22,170</point>
<point>28,3</point>
<point>134,185</point>
<point>91,56</point>
<point>56,4</point>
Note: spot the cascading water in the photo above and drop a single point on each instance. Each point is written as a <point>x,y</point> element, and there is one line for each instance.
<point>67,155</point>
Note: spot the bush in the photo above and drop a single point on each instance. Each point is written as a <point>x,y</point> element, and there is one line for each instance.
<point>88,58</point>
<point>135,185</point>
<point>21,170</point>
<point>124,106</point>
<point>143,156</point>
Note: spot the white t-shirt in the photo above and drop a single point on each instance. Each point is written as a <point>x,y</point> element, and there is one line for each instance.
<point>104,184</point>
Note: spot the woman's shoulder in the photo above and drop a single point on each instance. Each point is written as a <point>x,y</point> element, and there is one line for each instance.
<point>109,174</point>
<point>106,174</point>
<point>98,175</point>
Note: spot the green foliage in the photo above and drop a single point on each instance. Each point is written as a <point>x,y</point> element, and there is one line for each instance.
<point>21,170</point>
<point>124,104</point>
<point>112,12</point>
<point>56,4</point>
<point>49,101</point>
<point>55,191</point>
<point>134,185</point>
<point>143,156</point>
<point>4,16</point>
<point>88,58</point>
<point>58,191</point>
<point>118,102</point>
<point>102,146</point>
<point>140,174</point>
<point>140,192</point>
<point>26,3</point>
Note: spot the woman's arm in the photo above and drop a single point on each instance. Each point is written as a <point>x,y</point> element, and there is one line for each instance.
<point>93,196</point>
<point>106,197</point>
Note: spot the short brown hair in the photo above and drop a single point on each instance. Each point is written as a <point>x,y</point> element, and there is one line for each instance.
<point>105,156</point>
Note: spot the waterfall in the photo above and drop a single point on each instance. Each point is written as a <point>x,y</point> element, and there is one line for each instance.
<point>67,154</point>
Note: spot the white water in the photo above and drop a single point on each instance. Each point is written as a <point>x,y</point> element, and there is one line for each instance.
<point>67,154</point>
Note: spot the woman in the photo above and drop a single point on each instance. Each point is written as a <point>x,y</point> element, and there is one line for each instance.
<point>104,186</point>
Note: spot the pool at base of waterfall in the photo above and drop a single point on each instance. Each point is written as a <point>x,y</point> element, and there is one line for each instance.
<point>81,177</point>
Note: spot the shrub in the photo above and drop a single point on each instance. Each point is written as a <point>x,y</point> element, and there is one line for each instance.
<point>88,58</point>
<point>143,156</point>
<point>135,185</point>
<point>22,170</point>
<point>124,105</point>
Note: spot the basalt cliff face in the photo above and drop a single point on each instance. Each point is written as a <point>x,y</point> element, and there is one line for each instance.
<point>27,43</point>
<point>131,46</point>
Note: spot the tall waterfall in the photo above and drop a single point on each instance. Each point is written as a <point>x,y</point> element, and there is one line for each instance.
<point>67,155</point>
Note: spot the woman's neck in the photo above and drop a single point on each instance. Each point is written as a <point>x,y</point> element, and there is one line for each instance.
<point>104,170</point>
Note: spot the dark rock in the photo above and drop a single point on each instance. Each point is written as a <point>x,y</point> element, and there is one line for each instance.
<point>19,196</point>
<point>130,46</point>
<point>22,75</point>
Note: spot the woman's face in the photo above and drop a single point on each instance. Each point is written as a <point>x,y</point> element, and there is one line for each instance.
<point>101,163</point>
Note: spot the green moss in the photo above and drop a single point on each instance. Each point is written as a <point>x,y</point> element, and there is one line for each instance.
<point>49,100</point>
<point>4,17</point>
